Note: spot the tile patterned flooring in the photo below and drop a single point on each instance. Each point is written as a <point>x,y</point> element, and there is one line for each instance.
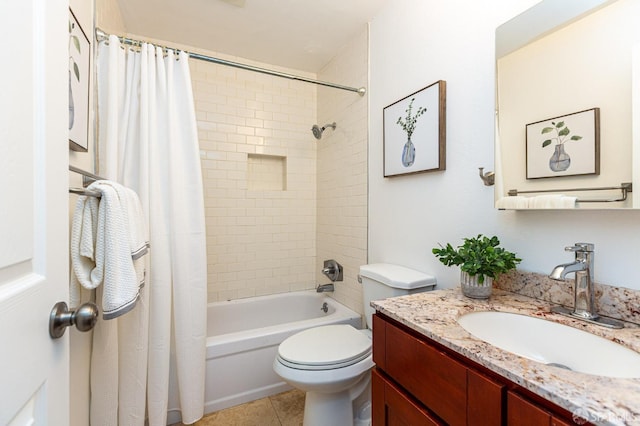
<point>283,409</point>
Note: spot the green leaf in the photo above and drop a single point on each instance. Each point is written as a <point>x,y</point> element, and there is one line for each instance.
<point>576,138</point>
<point>564,132</point>
<point>560,124</point>
<point>478,256</point>
<point>546,143</point>
<point>547,130</point>
<point>76,71</point>
<point>76,43</point>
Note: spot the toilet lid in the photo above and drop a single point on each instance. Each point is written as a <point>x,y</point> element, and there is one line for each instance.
<point>326,347</point>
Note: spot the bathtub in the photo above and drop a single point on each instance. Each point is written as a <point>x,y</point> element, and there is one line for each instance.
<point>243,338</point>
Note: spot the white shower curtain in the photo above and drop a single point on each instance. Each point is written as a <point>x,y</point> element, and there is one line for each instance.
<point>148,142</point>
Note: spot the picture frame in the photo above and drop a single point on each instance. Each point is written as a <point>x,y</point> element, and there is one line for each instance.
<point>79,80</point>
<point>414,132</point>
<point>567,145</point>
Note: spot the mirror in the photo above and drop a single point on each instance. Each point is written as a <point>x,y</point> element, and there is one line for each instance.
<point>565,95</point>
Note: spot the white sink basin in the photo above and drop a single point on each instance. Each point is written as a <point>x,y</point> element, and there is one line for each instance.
<point>553,344</point>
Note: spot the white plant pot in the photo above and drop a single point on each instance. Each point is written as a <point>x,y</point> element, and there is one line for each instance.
<point>471,288</point>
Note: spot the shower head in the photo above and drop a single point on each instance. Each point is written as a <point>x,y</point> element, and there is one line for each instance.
<point>317,130</point>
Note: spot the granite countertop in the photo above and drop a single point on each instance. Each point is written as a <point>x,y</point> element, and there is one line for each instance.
<point>601,400</point>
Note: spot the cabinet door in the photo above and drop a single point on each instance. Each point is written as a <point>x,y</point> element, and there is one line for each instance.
<point>379,341</point>
<point>398,408</point>
<point>484,400</point>
<point>378,404</point>
<point>521,412</point>
<point>434,378</point>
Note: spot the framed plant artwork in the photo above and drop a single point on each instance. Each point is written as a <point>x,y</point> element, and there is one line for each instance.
<point>568,145</point>
<point>79,76</point>
<point>414,134</point>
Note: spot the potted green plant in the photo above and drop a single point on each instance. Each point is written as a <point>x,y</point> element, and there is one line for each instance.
<point>480,261</point>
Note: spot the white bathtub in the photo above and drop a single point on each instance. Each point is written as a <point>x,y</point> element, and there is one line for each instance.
<point>243,338</point>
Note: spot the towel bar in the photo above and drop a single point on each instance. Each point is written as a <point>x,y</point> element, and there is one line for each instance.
<point>86,192</point>
<point>87,179</point>
<point>624,187</point>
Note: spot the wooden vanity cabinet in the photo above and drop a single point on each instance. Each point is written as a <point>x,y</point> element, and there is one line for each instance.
<point>394,407</point>
<point>523,412</point>
<point>420,382</point>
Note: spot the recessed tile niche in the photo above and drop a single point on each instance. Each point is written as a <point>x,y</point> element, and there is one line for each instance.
<point>267,173</point>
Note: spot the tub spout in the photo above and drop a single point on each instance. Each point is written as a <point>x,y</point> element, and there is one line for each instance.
<point>324,288</point>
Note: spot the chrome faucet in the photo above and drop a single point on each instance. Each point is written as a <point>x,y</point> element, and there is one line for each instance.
<point>584,306</point>
<point>324,288</point>
<point>584,295</point>
<point>333,270</point>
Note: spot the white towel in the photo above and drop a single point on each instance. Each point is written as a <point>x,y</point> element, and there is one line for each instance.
<point>120,237</point>
<point>568,202</point>
<point>544,201</point>
<point>552,201</point>
<point>513,202</point>
<point>83,235</point>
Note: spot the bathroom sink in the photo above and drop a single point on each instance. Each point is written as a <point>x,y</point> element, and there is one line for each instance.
<point>553,344</point>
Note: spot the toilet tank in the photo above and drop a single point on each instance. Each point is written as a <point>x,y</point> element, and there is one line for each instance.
<point>383,280</point>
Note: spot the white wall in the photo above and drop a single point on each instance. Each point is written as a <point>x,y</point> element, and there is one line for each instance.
<point>414,43</point>
<point>80,343</point>
<point>109,18</point>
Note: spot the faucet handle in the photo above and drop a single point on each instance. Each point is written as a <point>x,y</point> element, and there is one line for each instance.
<point>333,270</point>
<point>581,247</point>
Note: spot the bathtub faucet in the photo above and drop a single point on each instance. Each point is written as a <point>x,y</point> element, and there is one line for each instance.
<point>323,288</point>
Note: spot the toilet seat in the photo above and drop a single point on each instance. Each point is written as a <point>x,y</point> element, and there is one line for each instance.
<point>324,348</point>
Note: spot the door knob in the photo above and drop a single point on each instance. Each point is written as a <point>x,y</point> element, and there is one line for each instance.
<point>84,318</point>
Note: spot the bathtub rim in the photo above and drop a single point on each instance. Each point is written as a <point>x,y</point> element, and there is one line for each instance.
<point>228,343</point>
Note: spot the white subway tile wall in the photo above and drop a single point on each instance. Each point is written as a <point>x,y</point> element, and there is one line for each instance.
<point>267,173</point>
<point>278,202</point>
<point>259,169</point>
<point>342,170</point>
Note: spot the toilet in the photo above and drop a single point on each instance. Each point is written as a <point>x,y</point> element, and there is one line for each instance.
<point>332,363</point>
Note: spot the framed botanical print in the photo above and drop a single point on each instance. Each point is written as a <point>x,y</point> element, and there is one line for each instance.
<point>415,132</point>
<point>568,145</point>
<point>79,79</point>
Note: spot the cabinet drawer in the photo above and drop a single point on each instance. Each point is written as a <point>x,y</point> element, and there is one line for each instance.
<point>431,376</point>
<point>524,412</point>
<point>395,408</point>
<point>521,412</point>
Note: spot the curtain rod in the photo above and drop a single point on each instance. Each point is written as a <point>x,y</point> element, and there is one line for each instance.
<point>101,35</point>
